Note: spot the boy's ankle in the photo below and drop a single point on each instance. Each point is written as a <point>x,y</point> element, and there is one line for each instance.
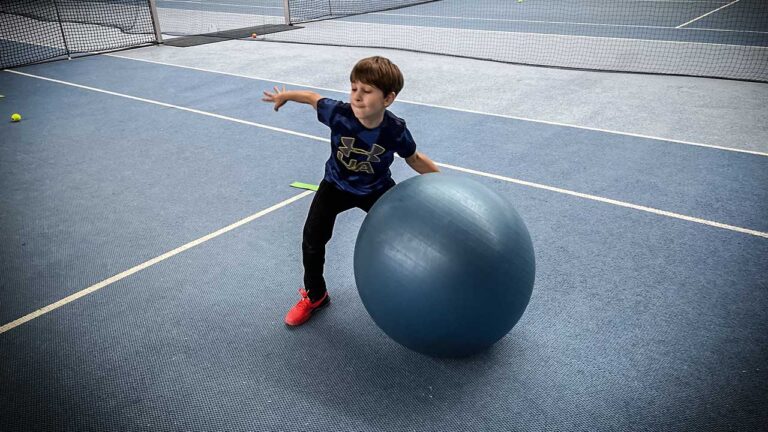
<point>316,297</point>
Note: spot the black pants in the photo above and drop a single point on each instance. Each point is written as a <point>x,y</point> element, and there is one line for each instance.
<point>318,229</point>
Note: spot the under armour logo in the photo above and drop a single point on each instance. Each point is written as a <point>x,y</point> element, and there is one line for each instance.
<point>347,148</point>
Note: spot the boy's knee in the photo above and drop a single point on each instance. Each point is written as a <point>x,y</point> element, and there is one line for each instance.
<point>312,247</point>
<point>313,235</point>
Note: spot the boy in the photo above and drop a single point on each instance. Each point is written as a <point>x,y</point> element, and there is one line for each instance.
<point>364,138</point>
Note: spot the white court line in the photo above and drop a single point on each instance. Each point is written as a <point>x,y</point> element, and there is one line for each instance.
<point>467,170</point>
<point>678,1</point>
<point>574,23</point>
<point>556,35</point>
<point>219,4</point>
<point>495,19</point>
<point>609,201</point>
<point>228,228</point>
<point>712,146</point>
<point>708,13</point>
<point>167,105</point>
<point>142,266</point>
<point>459,18</point>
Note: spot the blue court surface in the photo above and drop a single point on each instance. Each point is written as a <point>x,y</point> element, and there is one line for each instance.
<point>151,247</point>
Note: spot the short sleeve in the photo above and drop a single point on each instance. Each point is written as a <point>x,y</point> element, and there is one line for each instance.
<point>406,145</point>
<point>327,110</point>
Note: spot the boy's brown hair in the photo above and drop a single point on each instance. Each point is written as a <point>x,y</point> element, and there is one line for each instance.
<point>380,73</point>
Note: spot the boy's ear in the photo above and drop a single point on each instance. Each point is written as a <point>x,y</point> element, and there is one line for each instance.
<point>389,99</point>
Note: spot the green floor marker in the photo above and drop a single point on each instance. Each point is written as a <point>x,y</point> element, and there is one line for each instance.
<point>306,186</point>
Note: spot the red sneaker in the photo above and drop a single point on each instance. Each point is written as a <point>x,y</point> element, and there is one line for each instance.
<point>304,309</point>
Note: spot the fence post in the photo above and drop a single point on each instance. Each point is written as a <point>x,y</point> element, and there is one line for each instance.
<point>155,21</point>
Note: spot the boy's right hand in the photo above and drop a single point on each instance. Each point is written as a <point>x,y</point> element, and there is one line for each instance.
<point>278,97</point>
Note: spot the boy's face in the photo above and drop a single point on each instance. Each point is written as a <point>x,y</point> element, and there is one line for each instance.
<point>368,102</point>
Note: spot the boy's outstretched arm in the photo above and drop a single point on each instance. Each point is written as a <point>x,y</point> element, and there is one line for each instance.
<point>280,97</point>
<point>421,163</point>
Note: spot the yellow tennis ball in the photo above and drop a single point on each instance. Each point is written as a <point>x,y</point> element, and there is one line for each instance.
<point>15,117</point>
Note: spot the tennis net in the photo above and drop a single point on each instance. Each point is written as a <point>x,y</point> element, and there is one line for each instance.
<point>37,30</point>
<point>708,38</point>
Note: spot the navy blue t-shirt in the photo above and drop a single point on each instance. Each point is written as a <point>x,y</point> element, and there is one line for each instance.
<point>360,157</point>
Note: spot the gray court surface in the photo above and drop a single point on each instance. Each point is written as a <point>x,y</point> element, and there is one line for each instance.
<point>644,195</point>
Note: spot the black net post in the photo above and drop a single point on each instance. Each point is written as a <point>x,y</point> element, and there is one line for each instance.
<point>61,28</point>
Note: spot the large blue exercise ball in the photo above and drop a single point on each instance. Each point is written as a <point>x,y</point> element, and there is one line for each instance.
<point>444,265</point>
